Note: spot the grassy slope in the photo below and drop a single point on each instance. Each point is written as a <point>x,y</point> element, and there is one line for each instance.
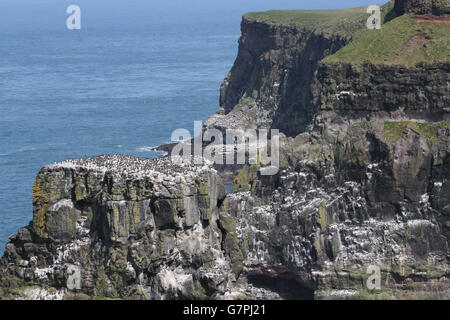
<point>325,21</point>
<point>343,22</point>
<point>401,41</point>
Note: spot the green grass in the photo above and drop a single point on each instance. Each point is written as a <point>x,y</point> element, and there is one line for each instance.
<point>401,41</point>
<point>306,17</point>
<point>324,21</point>
<point>345,22</point>
<point>393,130</point>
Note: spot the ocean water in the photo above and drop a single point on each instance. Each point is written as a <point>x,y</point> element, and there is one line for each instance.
<point>121,84</point>
<point>136,71</point>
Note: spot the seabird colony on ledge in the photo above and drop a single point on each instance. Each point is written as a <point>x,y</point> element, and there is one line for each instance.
<point>129,165</point>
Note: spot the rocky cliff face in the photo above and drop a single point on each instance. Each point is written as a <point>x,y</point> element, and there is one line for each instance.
<point>352,194</point>
<point>363,185</point>
<point>116,226</point>
<point>421,90</point>
<point>270,84</point>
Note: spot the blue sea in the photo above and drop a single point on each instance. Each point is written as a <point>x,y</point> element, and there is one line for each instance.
<point>136,71</point>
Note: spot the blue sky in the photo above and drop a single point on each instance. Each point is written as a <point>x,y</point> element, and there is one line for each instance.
<point>189,6</point>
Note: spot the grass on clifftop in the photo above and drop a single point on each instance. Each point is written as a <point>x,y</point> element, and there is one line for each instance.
<point>325,21</point>
<point>344,22</point>
<point>402,41</point>
<point>307,17</point>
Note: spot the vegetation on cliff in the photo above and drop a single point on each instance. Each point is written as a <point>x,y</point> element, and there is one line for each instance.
<point>393,130</point>
<point>402,41</point>
<point>344,21</point>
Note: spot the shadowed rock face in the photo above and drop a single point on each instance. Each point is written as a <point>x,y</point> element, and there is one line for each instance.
<point>422,89</point>
<point>423,7</point>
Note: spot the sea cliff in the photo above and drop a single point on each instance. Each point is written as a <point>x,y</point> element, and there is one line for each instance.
<point>363,185</point>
